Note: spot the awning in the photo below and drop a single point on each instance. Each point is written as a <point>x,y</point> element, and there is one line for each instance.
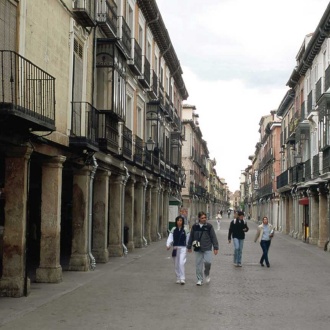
<point>174,201</point>
<point>304,201</point>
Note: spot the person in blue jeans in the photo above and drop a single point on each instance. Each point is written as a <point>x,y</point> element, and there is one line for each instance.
<point>265,233</point>
<point>237,229</point>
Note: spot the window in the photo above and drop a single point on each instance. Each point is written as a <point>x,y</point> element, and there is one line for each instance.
<point>8,18</point>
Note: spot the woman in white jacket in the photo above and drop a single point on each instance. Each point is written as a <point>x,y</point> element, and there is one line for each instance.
<point>178,237</point>
<point>265,233</point>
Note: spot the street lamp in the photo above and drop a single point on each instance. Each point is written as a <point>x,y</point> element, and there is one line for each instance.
<point>150,144</point>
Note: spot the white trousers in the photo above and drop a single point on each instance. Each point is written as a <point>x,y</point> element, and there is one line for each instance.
<point>179,262</point>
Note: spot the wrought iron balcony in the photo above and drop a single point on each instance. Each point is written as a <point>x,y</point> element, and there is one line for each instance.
<point>27,95</point>
<point>135,63</point>
<point>307,169</point>
<point>84,12</point>
<point>127,143</point>
<point>144,79</point>
<point>326,161</point>
<point>107,17</point>
<point>124,35</point>
<point>138,150</point>
<point>153,91</point>
<point>316,170</point>
<point>283,180</point>
<point>84,126</point>
<point>108,134</point>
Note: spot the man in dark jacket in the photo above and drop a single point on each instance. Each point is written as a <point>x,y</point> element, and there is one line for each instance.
<point>203,233</point>
<point>237,230</point>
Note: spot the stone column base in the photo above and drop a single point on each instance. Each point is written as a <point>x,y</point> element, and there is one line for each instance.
<point>101,256</point>
<point>130,246</point>
<point>49,275</point>
<point>138,243</point>
<point>115,251</point>
<point>321,243</point>
<point>13,287</point>
<point>79,262</point>
<point>312,241</point>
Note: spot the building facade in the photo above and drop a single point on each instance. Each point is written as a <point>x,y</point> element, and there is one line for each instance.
<point>90,134</point>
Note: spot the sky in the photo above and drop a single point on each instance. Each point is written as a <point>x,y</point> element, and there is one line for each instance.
<point>237,57</point>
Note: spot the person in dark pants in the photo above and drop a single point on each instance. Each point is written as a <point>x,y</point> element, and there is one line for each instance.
<point>265,233</point>
<point>237,229</point>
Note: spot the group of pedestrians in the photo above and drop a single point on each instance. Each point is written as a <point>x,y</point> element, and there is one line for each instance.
<point>202,239</point>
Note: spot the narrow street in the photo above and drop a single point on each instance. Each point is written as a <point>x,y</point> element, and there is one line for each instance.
<point>139,292</point>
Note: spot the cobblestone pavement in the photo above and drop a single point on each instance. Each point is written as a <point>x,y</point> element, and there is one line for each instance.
<point>139,292</point>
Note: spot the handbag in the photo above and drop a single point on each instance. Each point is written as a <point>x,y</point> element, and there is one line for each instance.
<point>174,252</point>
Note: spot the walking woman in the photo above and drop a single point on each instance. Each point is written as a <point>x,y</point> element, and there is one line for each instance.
<point>178,237</point>
<point>265,233</point>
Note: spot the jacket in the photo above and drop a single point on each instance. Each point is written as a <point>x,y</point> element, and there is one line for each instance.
<point>260,231</point>
<point>177,237</point>
<point>206,235</point>
<point>236,229</point>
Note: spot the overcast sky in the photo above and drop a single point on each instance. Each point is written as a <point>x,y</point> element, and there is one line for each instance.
<point>236,57</point>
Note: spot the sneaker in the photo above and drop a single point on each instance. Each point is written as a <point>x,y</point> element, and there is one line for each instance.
<point>199,282</point>
<point>239,265</point>
<point>183,282</point>
<point>178,282</point>
<point>235,264</point>
<point>207,279</point>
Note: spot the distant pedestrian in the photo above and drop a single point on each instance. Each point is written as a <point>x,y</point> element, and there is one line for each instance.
<point>219,217</point>
<point>202,237</point>
<point>264,235</point>
<point>229,212</point>
<point>237,229</point>
<point>178,237</point>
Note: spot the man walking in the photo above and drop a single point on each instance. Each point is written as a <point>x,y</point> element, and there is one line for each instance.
<point>237,230</point>
<point>203,238</point>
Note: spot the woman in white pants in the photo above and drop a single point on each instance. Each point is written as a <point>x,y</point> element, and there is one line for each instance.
<point>178,237</point>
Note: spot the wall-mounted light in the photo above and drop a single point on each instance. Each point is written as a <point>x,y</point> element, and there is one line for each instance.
<point>150,145</point>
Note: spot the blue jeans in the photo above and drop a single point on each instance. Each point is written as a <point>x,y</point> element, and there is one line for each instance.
<point>265,247</point>
<point>238,246</point>
<point>203,260</point>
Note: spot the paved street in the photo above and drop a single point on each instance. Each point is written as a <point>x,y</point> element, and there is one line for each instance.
<point>139,292</point>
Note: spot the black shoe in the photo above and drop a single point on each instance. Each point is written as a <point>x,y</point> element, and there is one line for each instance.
<point>261,264</point>
<point>268,265</point>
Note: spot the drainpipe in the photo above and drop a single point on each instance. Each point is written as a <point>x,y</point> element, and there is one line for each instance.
<point>145,242</point>
<point>90,208</point>
<point>125,250</point>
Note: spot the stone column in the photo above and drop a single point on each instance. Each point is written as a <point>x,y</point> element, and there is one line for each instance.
<point>323,216</point>
<point>161,212</point>
<point>286,222</point>
<point>154,213</point>
<point>147,227</point>
<point>12,283</point>
<point>115,225</point>
<point>314,217</point>
<point>129,212</point>
<point>79,260</point>
<point>165,212</point>
<point>101,216</point>
<point>50,270</point>
<point>139,206</point>
<point>295,229</point>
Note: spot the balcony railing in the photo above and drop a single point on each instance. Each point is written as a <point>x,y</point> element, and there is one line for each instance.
<point>84,12</point>
<point>316,170</point>
<point>84,126</point>
<point>127,143</point>
<point>107,17</point>
<point>327,78</point>
<point>136,62</point>
<point>27,94</point>
<point>326,161</point>
<point>125,36</point>
<point>138,150</point>
<point>108,133</point>
<point>145,77</point>
<point>282,180</point>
